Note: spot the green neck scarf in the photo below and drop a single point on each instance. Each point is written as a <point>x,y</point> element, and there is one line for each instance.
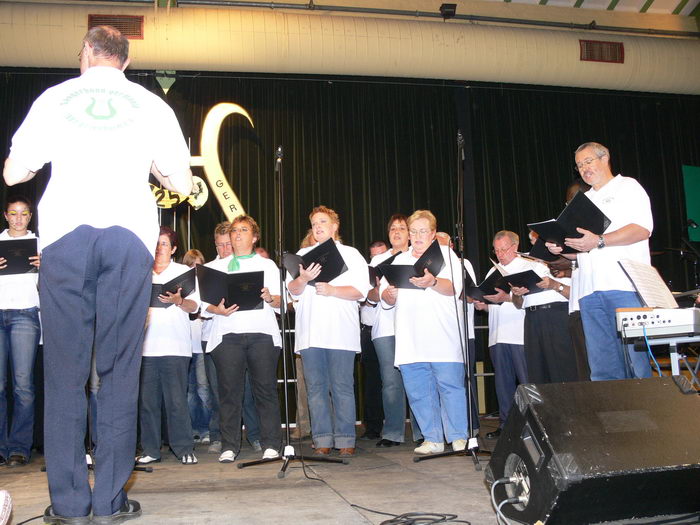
<point>234,265</point>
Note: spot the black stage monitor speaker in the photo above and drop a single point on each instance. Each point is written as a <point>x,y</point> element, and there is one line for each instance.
<point>600,451</point>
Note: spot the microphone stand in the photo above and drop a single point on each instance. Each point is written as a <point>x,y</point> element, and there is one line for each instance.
<point>288,453</point>
<point>472,447</point>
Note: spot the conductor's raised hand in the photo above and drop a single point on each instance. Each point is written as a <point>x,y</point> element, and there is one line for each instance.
<point>425,281</point>
<point>585,243</point>
<point>220,309</point>
<point>310,273</point>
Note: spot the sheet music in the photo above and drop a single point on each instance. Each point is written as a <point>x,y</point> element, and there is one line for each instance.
<point>649,284</point>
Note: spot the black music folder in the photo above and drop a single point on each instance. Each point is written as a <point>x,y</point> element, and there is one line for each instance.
<point>240,288</point>
<point>326,254</point>
<point>17,253</point>
<point>527,279</point>
<point>579,213</point>
<point>487,287</point>
<point>398,275</point>
<point>540,252</point>
<point>376,273</point>
<point>186,281</point>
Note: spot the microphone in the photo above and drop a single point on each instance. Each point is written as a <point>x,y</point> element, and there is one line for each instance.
<point>278,157</point>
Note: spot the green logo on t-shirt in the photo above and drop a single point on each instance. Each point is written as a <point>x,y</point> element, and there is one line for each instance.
<point>90,110</point>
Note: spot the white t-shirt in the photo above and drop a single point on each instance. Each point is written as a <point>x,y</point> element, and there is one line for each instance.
<point>196,335</point>
<point>506,322</point>
<point>429,325</point>
<point>623,201</point>
<point>384,321</point>
<point>547,296</point>
<point>261,321</point>
<point>168,329</point>
<point>329,322</point>
<point>101,133</point>
<point>18,291</point>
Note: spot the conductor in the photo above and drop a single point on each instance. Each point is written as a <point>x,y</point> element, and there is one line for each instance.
<point>102,135</point>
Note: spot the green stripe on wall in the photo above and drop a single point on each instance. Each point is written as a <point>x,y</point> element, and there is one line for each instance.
<point>680,7</point>
<point>612,5</point>
<point>646,6</point>
<point>578,3</point>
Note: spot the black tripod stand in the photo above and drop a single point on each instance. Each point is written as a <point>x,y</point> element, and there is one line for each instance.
<point>472,447</point>
<point>288,453</point>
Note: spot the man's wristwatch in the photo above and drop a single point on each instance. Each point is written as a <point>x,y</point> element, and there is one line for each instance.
<point>560,288</point>
<point>601,242</point>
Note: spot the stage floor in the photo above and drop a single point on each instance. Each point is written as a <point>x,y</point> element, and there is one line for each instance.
<point>385,480</point>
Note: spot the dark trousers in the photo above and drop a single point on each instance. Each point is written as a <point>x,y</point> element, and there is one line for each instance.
<point>372,382</point>
<point>474,412</point>
<point>164,384</point>
<point>95,286</point>
<point>548,352</point>
<point>236,354</point>
<point>511,369</point>
<point>578,340</point>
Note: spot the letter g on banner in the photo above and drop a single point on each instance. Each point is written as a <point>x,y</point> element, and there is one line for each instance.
<point>209,158</point>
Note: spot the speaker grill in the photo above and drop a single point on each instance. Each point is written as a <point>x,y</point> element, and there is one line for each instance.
<point>599,51</point>
<point>129,26</point>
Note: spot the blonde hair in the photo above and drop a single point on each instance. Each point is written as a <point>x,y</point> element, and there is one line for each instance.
<point>308,239</point>
<point>223,228</point>
<point>507,233</point>
<point>423,214</point>
<point>191,257</point>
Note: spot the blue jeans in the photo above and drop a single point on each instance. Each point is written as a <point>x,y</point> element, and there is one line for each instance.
<point>393,394</point>
<point>214,419</point>
<point>329,374</point>
<point>19,338</point>
<point>510,369</point>
<point>438,399</point>
<point>198,398</point>
<point>607,357</point>
<point>164,382</point>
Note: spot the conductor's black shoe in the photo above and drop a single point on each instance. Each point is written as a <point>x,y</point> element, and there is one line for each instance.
<point>129,510</point>
<point>387,443</point>
<point>51,517</point>
<point>494,435</point>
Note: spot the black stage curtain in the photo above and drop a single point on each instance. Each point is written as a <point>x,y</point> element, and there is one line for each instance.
<point>523,140</point>
<point>367,150</point>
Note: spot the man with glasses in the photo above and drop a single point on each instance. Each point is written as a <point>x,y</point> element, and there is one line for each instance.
<point>98,131</point>
<point>506,322</point>
<point>604,286</point>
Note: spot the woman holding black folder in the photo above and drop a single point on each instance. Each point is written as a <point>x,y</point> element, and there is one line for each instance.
<point>19,339</point>
<point>429,327</point>
<point>247,338</point>
<point>327,334</point>
<point>167,351</point>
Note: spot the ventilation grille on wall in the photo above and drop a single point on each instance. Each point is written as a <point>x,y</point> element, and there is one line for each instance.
<point>130,26</point>
<point>597,51</point>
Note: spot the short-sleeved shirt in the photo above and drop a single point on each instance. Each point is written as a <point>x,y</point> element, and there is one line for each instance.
<point>329,322</point>
<point>18,291</point>
<point>623,201</point>
<point>261,321</point>
<point>101,133</point>
<point>168,329</point>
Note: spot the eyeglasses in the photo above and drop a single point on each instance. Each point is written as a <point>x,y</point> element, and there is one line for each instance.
<point>421,233</point>
<point>241,230</point>
<point>587,162</point>
<point>222,244</point>
<point>502,250</point>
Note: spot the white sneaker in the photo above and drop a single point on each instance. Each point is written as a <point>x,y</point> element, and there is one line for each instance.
<point>428,447</point>
<point>145,460</point>
<point>205,439</point>
<point>215,447</point>
<point>270,453</point>
<point>257,447</point>
<point>227,456</point>
<point>189,459</point>
<point>5,506</point>
<point>458,445</point>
